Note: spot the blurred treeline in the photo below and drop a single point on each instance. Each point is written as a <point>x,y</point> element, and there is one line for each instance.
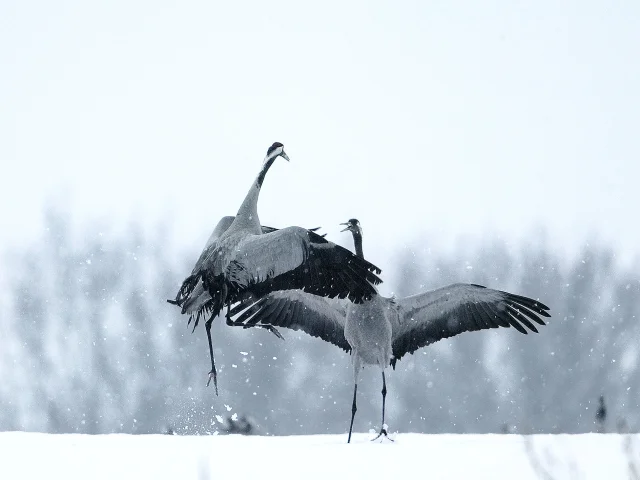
<point>88,344</point>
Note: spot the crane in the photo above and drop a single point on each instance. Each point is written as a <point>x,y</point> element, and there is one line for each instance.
<point>242,261</point>
<point>199,303</point>
<point>382,330</point>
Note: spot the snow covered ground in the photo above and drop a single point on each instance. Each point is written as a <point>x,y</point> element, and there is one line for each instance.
<point>590,456</point>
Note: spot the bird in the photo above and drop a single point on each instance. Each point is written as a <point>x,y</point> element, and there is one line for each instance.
<point>382,330</point>
<point>601,415</point>
<point>241,260</point>
<point>199,303</point>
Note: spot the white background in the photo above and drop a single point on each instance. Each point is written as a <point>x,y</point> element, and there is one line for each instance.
<point>455,119</point>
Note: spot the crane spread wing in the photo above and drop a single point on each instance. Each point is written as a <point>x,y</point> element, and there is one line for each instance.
<point>198,302</point>
<point>320,317</point>
<point>428,317</point>
<point>292,258</point>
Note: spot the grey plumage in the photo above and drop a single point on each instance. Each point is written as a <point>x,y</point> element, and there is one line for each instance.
<point>199,303</point>
<point>382,330</point>
<point>319,317</point>
<point>241,260</point>
<point>425,318</point>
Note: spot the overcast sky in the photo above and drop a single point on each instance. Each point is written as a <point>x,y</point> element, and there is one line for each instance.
<point>452,118</point>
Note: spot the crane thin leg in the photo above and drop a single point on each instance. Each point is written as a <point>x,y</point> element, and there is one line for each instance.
<point>212,374</point>
<point>383,431</point>
<point>353,411</point>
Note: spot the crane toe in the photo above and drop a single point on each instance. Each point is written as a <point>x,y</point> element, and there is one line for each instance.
<point>383,431</point>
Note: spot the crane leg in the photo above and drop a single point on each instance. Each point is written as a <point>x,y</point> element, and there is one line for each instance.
<point>353,411</point>
<point>212,374</point>
<point>383,431</point>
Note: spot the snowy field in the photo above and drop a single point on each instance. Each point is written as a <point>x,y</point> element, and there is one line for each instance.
<point>590,456</point>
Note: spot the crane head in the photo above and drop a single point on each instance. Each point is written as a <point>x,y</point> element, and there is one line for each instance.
<point>353,225</point>
<point>276,150</point>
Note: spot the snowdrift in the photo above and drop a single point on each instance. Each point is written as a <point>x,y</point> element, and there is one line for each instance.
<point>119,456</point>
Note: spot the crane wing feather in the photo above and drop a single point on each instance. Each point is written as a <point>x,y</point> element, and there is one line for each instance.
<point>221,227</point>
<point>428,317</point>
<point>198,302</point>
<point>319,317</point>
<point>296,258</point>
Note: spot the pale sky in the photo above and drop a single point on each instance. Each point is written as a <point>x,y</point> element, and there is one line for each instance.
<point>451,118</point>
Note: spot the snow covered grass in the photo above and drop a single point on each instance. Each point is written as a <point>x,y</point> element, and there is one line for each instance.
<point>119,456</point>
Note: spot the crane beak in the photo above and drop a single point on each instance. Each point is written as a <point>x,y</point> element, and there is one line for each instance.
<point>345,229</point>
<point>285,156</point>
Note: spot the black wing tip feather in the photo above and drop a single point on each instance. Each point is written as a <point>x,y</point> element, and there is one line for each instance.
<point>371,268</point>
<point>286,313</point>
<point>528,302</point>
<point>524,309</point>
<point>535,305</point>
<point>211,307</point>
<point>517,313</point>
<point>531,314</point>
<point>316,238</point>
<point>187,286</point>
<point>512,311</point>
<point>346,275</point>
<point>328,272</point>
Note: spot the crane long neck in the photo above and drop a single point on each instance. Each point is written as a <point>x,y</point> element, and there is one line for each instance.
<point>249,208</point>
<point>357,240</point>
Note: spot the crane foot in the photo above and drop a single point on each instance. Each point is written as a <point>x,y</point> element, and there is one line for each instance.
<point>383,431</point>
<point>273,330</point>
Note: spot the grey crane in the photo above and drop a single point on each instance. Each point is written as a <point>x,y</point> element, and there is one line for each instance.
<point>199,303</point>
<point>382,330</point>
<point>241,260</point>
<point>601,415</point>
